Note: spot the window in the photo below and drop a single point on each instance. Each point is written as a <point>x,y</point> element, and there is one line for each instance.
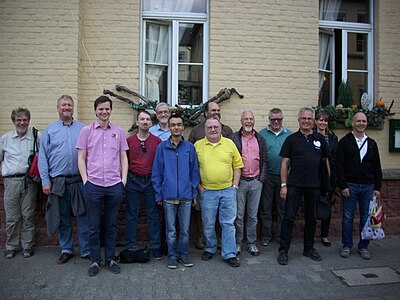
<point>174,64</point>
<point>345,48</point>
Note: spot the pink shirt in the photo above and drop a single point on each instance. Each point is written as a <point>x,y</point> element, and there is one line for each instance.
<point>104,147</point>
<point>250,156</point>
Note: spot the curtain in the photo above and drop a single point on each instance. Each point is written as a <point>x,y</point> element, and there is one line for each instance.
<point>329,9</point>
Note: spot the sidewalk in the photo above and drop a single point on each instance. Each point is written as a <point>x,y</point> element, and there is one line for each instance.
<point>39,277</point>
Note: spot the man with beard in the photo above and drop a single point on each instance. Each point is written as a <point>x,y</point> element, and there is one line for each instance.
<point>161,129</point>
<point>19,195</point>
<point>61,181</point>
<point>253,150</point>
<point>103,165</point>
<point>142,149</point>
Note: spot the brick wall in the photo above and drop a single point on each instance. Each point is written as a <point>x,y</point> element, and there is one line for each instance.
<point>390,196</point>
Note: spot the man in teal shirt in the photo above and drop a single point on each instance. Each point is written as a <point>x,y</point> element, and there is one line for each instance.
<point>274,134</point>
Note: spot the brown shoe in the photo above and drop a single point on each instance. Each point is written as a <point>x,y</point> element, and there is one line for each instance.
<point>65,257</point>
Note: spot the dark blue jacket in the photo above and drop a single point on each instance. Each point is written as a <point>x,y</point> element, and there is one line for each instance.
<point>175,173</point>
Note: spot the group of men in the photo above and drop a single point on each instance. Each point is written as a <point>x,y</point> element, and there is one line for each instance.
<point>231,177</point>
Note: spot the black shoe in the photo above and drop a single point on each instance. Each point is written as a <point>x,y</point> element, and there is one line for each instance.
<point>232,262</point>
<point>313,254</point>
<point>65,257</point>
<point>93,269</point>
<point>87,256</point>
<point>326,242</point>
<point>206,256</point>
<point>283,258</point>
<point>114,267</point>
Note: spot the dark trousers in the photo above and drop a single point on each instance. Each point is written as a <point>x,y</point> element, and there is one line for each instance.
<point>110,198</point>
<point>294,198</point>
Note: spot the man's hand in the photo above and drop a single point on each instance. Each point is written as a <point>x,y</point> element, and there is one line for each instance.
<point>46,190</point>
<point>377,194</point>
<point>194,202</point>
<point>200,188</point>
<point>159,203</point>
<point>345,192</point>
<point>283,192</point>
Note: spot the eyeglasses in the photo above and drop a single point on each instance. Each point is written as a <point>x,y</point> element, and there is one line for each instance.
<point>143,146</point>
<point>306,119</point>
<point>276,120</point>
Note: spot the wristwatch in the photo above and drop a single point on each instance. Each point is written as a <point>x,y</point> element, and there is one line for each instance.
<point>235,186</point>
<point>283,184</point>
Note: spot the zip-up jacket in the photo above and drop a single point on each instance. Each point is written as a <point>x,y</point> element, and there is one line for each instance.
<point>350,168</point>
<point>237,139</point>
<point>175,173</point>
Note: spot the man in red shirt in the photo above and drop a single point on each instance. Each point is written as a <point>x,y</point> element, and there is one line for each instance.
<point>142,149</point>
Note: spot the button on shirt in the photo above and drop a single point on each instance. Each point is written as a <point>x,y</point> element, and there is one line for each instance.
<point>250,156</point>
<point>14,152</point>
<point>103,146</point>
<point>58,155</point>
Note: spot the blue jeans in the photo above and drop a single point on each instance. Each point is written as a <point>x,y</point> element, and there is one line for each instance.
<point>183,210</point>
<point>136,187</point>
<point>223,201</point>
<point>66,237</point>
<point>361,193</point>
<point>248,199</point>
<point>96,198</point>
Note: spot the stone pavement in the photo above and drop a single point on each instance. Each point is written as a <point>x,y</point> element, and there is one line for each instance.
<point>39,277</point>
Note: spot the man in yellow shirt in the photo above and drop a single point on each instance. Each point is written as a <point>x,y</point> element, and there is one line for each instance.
<point>220,167</point>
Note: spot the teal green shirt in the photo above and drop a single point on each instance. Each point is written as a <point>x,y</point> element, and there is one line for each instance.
<point>274,145</point>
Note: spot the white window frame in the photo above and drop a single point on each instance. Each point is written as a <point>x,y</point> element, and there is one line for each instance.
<point>174,19</point>
<point>350,27</point>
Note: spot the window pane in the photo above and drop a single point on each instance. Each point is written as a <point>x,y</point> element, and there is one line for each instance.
<point>344,11</point>
<point>156,83</point>
<point>357,60</point>
<point>157,43</point>
<point>359,85</point>
<point>191,43</point>
<point>190,85</point>
<point>194,6</point>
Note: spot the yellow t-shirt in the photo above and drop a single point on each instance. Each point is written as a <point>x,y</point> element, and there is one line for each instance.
<point>216,163</point>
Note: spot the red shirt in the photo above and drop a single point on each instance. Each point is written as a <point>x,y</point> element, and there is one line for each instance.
<point>140,162</point>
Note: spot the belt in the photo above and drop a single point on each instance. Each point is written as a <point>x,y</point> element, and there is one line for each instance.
<point>250,178</point>
<point>15,176</point>
<point>141,176</point>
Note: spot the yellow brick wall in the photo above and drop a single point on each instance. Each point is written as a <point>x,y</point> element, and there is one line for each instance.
<point>267,50</point>
<point>38,58</point>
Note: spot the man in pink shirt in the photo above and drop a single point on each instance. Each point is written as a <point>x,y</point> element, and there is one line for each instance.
<point>103,165</point>
<point>253,149</point>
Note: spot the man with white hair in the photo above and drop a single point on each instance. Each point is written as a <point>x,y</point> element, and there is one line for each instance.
<point>161,130</point>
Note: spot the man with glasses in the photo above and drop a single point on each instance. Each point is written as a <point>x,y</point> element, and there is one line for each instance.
<point>302,153</point>
<point>161,129</point>
<point>274,134</point>
<point>142,149</point>
<point>220,166</point>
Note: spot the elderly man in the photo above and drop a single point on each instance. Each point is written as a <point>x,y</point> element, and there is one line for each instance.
<point>175,178</point>
<point>161,130</point>
<point>58,166</point>
<point>103,165</point>
<point>219,163</point>
<point>142,149</point>
<point>253,150</point>
<point>211,110</point>
<point>302,153</point>
<point>274,134</point>
<point>19,194</point>
<point>359,178</point>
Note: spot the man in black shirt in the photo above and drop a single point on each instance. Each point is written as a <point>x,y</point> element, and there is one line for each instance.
<point>302,153</point>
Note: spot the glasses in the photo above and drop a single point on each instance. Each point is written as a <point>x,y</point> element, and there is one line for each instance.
<point>143,146</point>
<point>276,120</point>
<point>306,119</point>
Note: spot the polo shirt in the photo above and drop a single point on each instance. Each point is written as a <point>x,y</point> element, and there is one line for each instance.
<point>216,163</point>
<point>104,146</point>
<point>305,153</point>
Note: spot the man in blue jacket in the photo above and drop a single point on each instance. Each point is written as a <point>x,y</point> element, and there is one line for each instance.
<point>175,177</point>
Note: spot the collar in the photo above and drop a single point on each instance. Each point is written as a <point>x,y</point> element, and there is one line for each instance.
<point>97,124</point>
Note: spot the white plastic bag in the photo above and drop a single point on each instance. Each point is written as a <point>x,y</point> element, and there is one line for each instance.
<point>369,233</point>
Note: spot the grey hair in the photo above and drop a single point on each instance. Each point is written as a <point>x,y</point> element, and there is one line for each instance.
<point>306,108</point>
<point>20,110</point>
<point>161,104</point>
<point>275,111</point>
<point>245,111</point>
<point>65,97</point>
<point>212,118</point>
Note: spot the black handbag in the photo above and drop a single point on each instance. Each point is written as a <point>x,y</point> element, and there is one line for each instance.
<point>323,208</point>
<point>325,179</point>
